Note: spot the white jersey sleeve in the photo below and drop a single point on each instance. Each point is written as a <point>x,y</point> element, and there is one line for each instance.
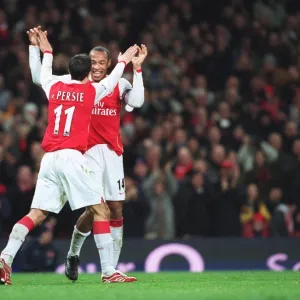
<point>46,73</point>
<point>132,95</point>
<point>107,85</point>
<point>35,65</point>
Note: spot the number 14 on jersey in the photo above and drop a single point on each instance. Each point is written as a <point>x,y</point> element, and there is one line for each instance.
<point>69,112</point>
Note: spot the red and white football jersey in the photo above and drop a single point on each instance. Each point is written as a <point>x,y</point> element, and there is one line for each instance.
<point>70,106</point>
<point>105,122</point>
<point>105,119</point>
<point>69,115</point>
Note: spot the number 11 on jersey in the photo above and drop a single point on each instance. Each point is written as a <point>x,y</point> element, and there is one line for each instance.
<point>69,113</point>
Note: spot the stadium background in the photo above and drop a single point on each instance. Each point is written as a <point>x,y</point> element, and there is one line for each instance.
<point>214,151</point>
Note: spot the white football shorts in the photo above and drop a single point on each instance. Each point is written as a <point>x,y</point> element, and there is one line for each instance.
<point>65,175</point>
<point>109,171</point>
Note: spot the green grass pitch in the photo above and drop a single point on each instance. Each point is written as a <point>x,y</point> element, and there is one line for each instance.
<point>165,286</point>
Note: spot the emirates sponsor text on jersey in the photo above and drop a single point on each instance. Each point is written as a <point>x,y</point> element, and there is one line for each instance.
<point>101,110</point>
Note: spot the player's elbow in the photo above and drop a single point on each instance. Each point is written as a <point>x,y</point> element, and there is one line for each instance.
<point>137,103</point>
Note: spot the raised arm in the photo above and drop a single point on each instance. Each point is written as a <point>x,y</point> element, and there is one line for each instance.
<point>46,71</point>
<point>107,85</point>
<point>34,55</point>
<point>35,63</point>
<point>46,68</point>
<point>134,95</point>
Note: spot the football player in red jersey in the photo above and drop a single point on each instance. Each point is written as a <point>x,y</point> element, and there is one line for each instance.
<point>105,145</point>
<point>65,173</point>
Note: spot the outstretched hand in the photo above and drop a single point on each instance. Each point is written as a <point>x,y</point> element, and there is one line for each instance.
<point>43,42</point>
<point>128,55</point>
<point>33,35</point>
<point>137,61</point>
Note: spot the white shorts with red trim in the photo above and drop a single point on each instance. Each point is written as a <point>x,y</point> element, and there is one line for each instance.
<point>66,175</point>
<point>109,171</point>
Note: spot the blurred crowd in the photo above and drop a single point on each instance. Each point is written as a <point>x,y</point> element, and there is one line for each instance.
<point>215,149</point>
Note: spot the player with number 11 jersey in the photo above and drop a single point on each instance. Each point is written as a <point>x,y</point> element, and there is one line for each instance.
<point>105,146</point>
<point>64,169</point>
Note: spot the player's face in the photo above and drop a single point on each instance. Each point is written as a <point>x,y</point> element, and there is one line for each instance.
<point>100,64</point>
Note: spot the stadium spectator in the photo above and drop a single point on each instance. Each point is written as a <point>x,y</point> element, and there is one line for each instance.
<point>275,198</point>
<point>254,216</point>
<point>159,189</point>
<point>40,255</point>
<point>282,223</point>
<point>227,201</point>
<point>20,194</point>
<point>192,206</point>
<point>135,210</point>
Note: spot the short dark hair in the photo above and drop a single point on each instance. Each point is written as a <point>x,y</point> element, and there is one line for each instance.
<point>80,66</point>
<point>101,49</point>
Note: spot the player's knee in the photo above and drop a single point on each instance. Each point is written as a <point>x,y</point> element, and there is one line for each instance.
<point>116,214</point>
<point>88,213</point>
<point>116,209</point>
<point>105,212</point>
<point>38,216</point>
<point>85,221</point>
<point>100,212</point>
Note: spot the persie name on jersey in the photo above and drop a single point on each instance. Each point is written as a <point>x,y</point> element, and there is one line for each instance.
<point>68,96</point>
<point>101,111</point>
